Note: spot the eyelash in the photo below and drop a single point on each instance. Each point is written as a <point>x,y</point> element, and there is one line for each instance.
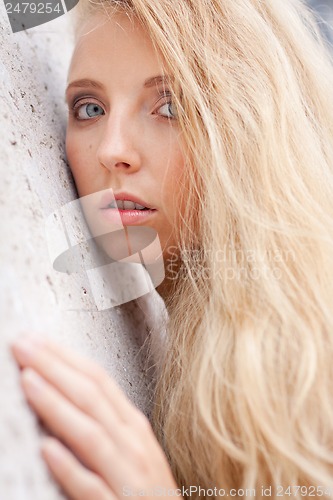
<point>74,108</point>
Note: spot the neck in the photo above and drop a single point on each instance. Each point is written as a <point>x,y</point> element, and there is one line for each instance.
<point>168,286</point>
<point>165,289</point>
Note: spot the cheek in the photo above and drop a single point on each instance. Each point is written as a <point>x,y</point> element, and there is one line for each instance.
<point>173,187</point>
<point>178,183</point>
<point>175,175</point>
<point>169,149</point>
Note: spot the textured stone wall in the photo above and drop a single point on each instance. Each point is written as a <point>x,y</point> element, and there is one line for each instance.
<point>36,181</point>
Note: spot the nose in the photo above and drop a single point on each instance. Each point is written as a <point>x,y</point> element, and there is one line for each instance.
<point>118,150</point>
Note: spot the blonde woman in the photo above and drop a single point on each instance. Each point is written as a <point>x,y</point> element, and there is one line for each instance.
<point>231,149</point>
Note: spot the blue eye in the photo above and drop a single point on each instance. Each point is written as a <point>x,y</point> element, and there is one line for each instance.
<point>90,109</point>
<point>87,110</point>
<point>172,114</point>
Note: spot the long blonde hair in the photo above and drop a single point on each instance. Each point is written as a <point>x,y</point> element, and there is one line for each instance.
<point>244,398</point>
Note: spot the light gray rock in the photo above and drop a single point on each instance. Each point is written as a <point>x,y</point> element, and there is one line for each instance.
<point>36,181</point>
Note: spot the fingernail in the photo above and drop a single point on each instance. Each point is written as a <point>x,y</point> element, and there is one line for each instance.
<point>26,347</point>
<point>33,383</point>
<point>53,450</point>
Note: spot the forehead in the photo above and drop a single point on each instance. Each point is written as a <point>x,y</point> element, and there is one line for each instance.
<point>116,43</point>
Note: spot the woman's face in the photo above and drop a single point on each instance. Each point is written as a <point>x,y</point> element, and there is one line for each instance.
<point>122,133</point>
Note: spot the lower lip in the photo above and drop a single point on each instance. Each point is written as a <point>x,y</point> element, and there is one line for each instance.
<point>127,217</point>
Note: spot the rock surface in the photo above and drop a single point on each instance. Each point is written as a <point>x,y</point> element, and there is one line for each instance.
<point>36,181</point>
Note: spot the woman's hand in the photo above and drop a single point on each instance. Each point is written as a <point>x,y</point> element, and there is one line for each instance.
<point>104,447</point>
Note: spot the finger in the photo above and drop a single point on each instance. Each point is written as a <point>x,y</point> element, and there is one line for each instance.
<point>81,391</point>
<point>32,351</point>
<point>83,435</point>
<point>76,481</point>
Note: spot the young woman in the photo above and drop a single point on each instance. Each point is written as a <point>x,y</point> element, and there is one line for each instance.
<point>218,115</point>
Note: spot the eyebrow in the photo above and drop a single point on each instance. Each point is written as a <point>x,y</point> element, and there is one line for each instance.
<point>155,80</point>
<point>87,82</point>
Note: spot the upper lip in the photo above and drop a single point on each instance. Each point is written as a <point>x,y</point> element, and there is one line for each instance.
<point>108,198</point>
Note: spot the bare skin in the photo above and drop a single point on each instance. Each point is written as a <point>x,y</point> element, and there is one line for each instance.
<point>102,445</point>
<point>125,136</point>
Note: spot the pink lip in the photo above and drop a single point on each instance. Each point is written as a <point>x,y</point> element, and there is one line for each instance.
<point>107,198</point>
<point>126,217</point>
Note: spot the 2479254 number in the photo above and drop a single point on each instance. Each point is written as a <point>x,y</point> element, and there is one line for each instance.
<point>32,8</point>
<point>303,491</point>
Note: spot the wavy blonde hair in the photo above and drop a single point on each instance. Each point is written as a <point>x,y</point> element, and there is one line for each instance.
<point>244,397</point>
